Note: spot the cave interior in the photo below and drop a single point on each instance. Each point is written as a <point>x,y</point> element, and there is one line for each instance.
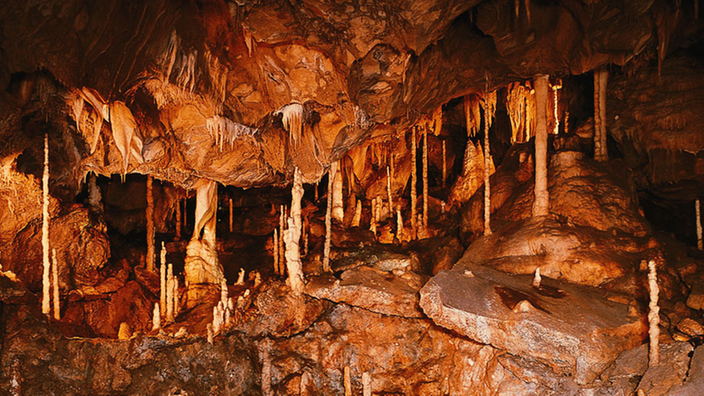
<point>328,197</point>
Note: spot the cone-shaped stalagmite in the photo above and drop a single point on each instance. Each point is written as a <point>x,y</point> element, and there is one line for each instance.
<point>540,205</point>
<point>601,77</point>
<point>292,236</point>
<point>46,305</point>
<point>653,315</point>
<point>150,224</point>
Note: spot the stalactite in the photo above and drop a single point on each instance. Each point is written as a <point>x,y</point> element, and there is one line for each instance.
<point>414,182</point>
<point>520,105</point>
<point>328,219</point>
<point>55,284</point>
<point>149,213</point>
<point>293,236</point>
<point>444,165</point>
<point>223,130</point>
<point>388,189</point>
<point>315,190</point>
<point>123,132</point>
<point>156,318</point>
<point>357,214</point>
<point>653,315</point>
<point>338,210</point>
<point>169,294</point>
<point>46,308</point>
<point>292,120</point>
<point>527,3</point>
<point>601,76</point>
<point>698,221</point>
<point>306,233</point>
<point>541,203</point>
<point>425,176</point>
<point>201,264</point>
<point>392,159</point>
<point>472,114</point>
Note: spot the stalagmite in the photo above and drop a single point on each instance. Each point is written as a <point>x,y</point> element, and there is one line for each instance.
<point>150,224</point>
<point>46,307</point>
<point>175,295</point>
<point>55,284</point>
<point>282,230</point>
<point>698,221</point>
<point>536,278</point>
<point>489,104</point>
<point>240,277</point>
<point>202,268</point>
<point>601,76</point>
<point>372,220</point>
<point>177,235</point>
<point>556,87</point>
<point>223,291</point>
<point>388,189</point>
<point>444,164</point>
<point>292,236</point>
<point>357,214</point>
<point>338,210</point>
<point>276,251</point>
<point>124,332</point>
<point>414,181</point>
<point>425,177</point>
<point>170,294</point>
<point>399,225</point>
<point>209,329</point>
<point>347,381</point>
<point>306,228</point>
<point>328,219</point>
<point>162,279</point>
<point>232,216</point>
<point>541,203</point>
<point>366,384</point>
<point>653,315</point>
<point>156,318</point>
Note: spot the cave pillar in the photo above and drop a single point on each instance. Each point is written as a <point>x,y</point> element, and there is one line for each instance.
<point>541,203</point>
<point>46,305</point>
<point>202,268</point>
<point>487,174</point>
<point>149,213</point>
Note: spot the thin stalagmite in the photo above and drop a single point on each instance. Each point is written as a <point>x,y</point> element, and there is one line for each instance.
<point>541,203</point>
<point>444,164</point>
<point>388,189</point>
<point>169,294</point>
<point>399,224</point>
<point>328,219</point>
<point>177,217</point>
<point>282,230</point>
<point>601,77</point>
<point>414,181</point>
<point>347,381</point>
<point>162,279</point>
<point>488,114</point>
<point>46,306</point>
<point>156,318</point>
<point>293,236</point>
<point>276,251</point>
<point>555,97</point>
<point>653,315</point>
<point>150,224</point>
<point>372,220</point>
<point>338,209</point>
<point>425,176</point>
<point>698,221</point>
<point>232,216</point>
<point>55,284</point>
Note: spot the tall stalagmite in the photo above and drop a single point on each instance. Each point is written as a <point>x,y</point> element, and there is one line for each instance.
<point>698,221</point>
<point>541,203</point>
<point>55,284</point>
<point>414,182</point>
<point>601,77</point>
<point>150,224</point>
<point>46,304</point>
<point>328,218</point>
<point>425,176</point>
<point>292,236</point>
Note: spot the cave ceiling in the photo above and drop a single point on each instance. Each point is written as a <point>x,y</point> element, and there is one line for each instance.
<point>213,89</point>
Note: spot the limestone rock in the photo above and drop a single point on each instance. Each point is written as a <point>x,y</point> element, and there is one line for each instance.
<point>372,289</point>
<point>672,370</point>
<point>573,329</point>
